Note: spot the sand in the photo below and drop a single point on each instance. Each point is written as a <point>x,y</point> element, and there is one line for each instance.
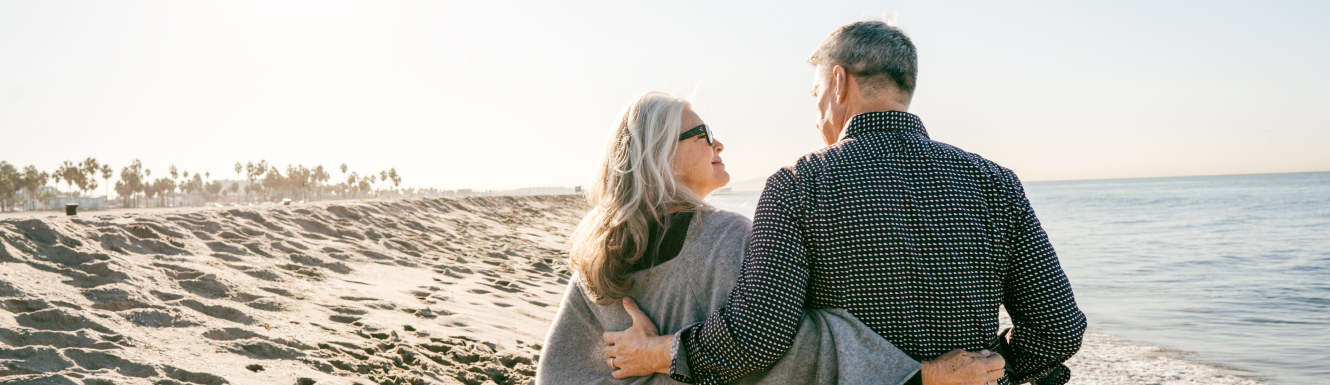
<point>420,291</point>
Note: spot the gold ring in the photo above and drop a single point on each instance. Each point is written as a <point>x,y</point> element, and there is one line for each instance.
<point>612,365</point>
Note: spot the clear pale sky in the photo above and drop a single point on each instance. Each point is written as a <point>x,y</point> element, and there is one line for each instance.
<point>500,95</point>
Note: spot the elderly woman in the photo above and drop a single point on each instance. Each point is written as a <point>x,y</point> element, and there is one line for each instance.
<point>650,237</point>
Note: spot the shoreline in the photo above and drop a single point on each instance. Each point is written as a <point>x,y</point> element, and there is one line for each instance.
<point>437,291</point>
<point>1108,359</point>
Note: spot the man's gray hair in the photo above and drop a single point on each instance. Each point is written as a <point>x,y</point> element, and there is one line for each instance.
<point>876,53</point>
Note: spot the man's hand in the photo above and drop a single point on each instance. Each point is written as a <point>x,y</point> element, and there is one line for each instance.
<point>640,350</point>
<point>959,367</point>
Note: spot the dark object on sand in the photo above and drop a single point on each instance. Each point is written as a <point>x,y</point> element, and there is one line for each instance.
<point>71,208</point>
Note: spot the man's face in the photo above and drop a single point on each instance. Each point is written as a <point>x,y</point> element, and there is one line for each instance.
<point>829,122</point>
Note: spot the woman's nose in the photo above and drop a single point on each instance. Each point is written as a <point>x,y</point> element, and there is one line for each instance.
<point>718,146</point>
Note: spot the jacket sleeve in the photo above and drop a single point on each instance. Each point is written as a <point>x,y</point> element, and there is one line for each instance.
<point>1047,324</point>
<point>574,345</point>
<point>761,318</point>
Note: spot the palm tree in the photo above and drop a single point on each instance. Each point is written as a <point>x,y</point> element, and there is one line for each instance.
<point>70,173</point>
<point>184,181</point>
<point>88,180</point>
<point>236,190</point>
<point>106,176</point>
<point>33,181</point>
<point>131,182</point>
<point>146,184</point>
<point>9,182</point>
<point>351,181</point>
<point>193,187</point>
<point>343,167</point>
<point>366,184</point>
<point>320,176</point>
<point>174,175</point>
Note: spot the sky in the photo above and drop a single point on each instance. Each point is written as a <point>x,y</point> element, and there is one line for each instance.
<point>502,95</point>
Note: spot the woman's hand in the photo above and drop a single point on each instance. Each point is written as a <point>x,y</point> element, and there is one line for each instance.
<point>959,367</point>
<point>640,350</point>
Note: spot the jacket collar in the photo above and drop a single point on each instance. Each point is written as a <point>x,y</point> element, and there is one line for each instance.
<point>884,121</point>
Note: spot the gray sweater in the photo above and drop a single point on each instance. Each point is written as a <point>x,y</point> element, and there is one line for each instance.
<point>832,347</point>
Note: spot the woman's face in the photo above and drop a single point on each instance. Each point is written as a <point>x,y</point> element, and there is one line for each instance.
<point>697,165</point>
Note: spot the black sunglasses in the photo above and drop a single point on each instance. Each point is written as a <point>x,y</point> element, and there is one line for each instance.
<point>699,130</point>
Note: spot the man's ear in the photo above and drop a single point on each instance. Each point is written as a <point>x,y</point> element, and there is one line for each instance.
<point>840,83</point>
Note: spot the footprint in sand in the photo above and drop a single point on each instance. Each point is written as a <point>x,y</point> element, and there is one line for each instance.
<point>264,350</point>
<point>34,359</point>
<point>95,360</point>
<point>193,377</point>
<point>346,319</point>
<point>231,334</point>
<point>165,296</point>
<point>218,311</point>
<point>57,319</point>
<point>27,305</point>
<point>263,274</point>
<point>172,318</point>
<point>179,272</point>
<point>227,257</point>
<point>207,286</point>
<point>270,304</point>
<point>80,339</point>
<point>281,292</point>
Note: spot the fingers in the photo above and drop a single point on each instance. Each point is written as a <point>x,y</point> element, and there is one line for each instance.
<point>640,319</point>
<point>993,362</point>
<point>633,310</point>
<point>620,374</point>
<point>994,375</point>
<point>953,353</point>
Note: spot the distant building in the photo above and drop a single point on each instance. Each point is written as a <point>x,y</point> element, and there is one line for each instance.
<point>58,203</point>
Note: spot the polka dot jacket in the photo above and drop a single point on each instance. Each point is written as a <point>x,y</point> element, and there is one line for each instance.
<point>919,240</point>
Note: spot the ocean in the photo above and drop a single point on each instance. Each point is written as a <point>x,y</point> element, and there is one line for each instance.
<point>1232,270</point>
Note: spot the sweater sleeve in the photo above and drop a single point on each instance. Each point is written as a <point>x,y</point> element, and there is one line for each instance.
<point>574,347</point>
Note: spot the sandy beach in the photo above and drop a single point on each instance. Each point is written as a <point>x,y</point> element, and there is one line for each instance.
<point>422,291</point>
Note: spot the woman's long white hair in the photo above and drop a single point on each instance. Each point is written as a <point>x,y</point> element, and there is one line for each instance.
<point>633,188</point>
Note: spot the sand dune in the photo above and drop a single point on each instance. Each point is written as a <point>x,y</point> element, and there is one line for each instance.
<point>434,291</point>
<point>418,291</point>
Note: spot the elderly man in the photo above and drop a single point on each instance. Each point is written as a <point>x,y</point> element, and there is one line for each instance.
<point>919,240</point>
